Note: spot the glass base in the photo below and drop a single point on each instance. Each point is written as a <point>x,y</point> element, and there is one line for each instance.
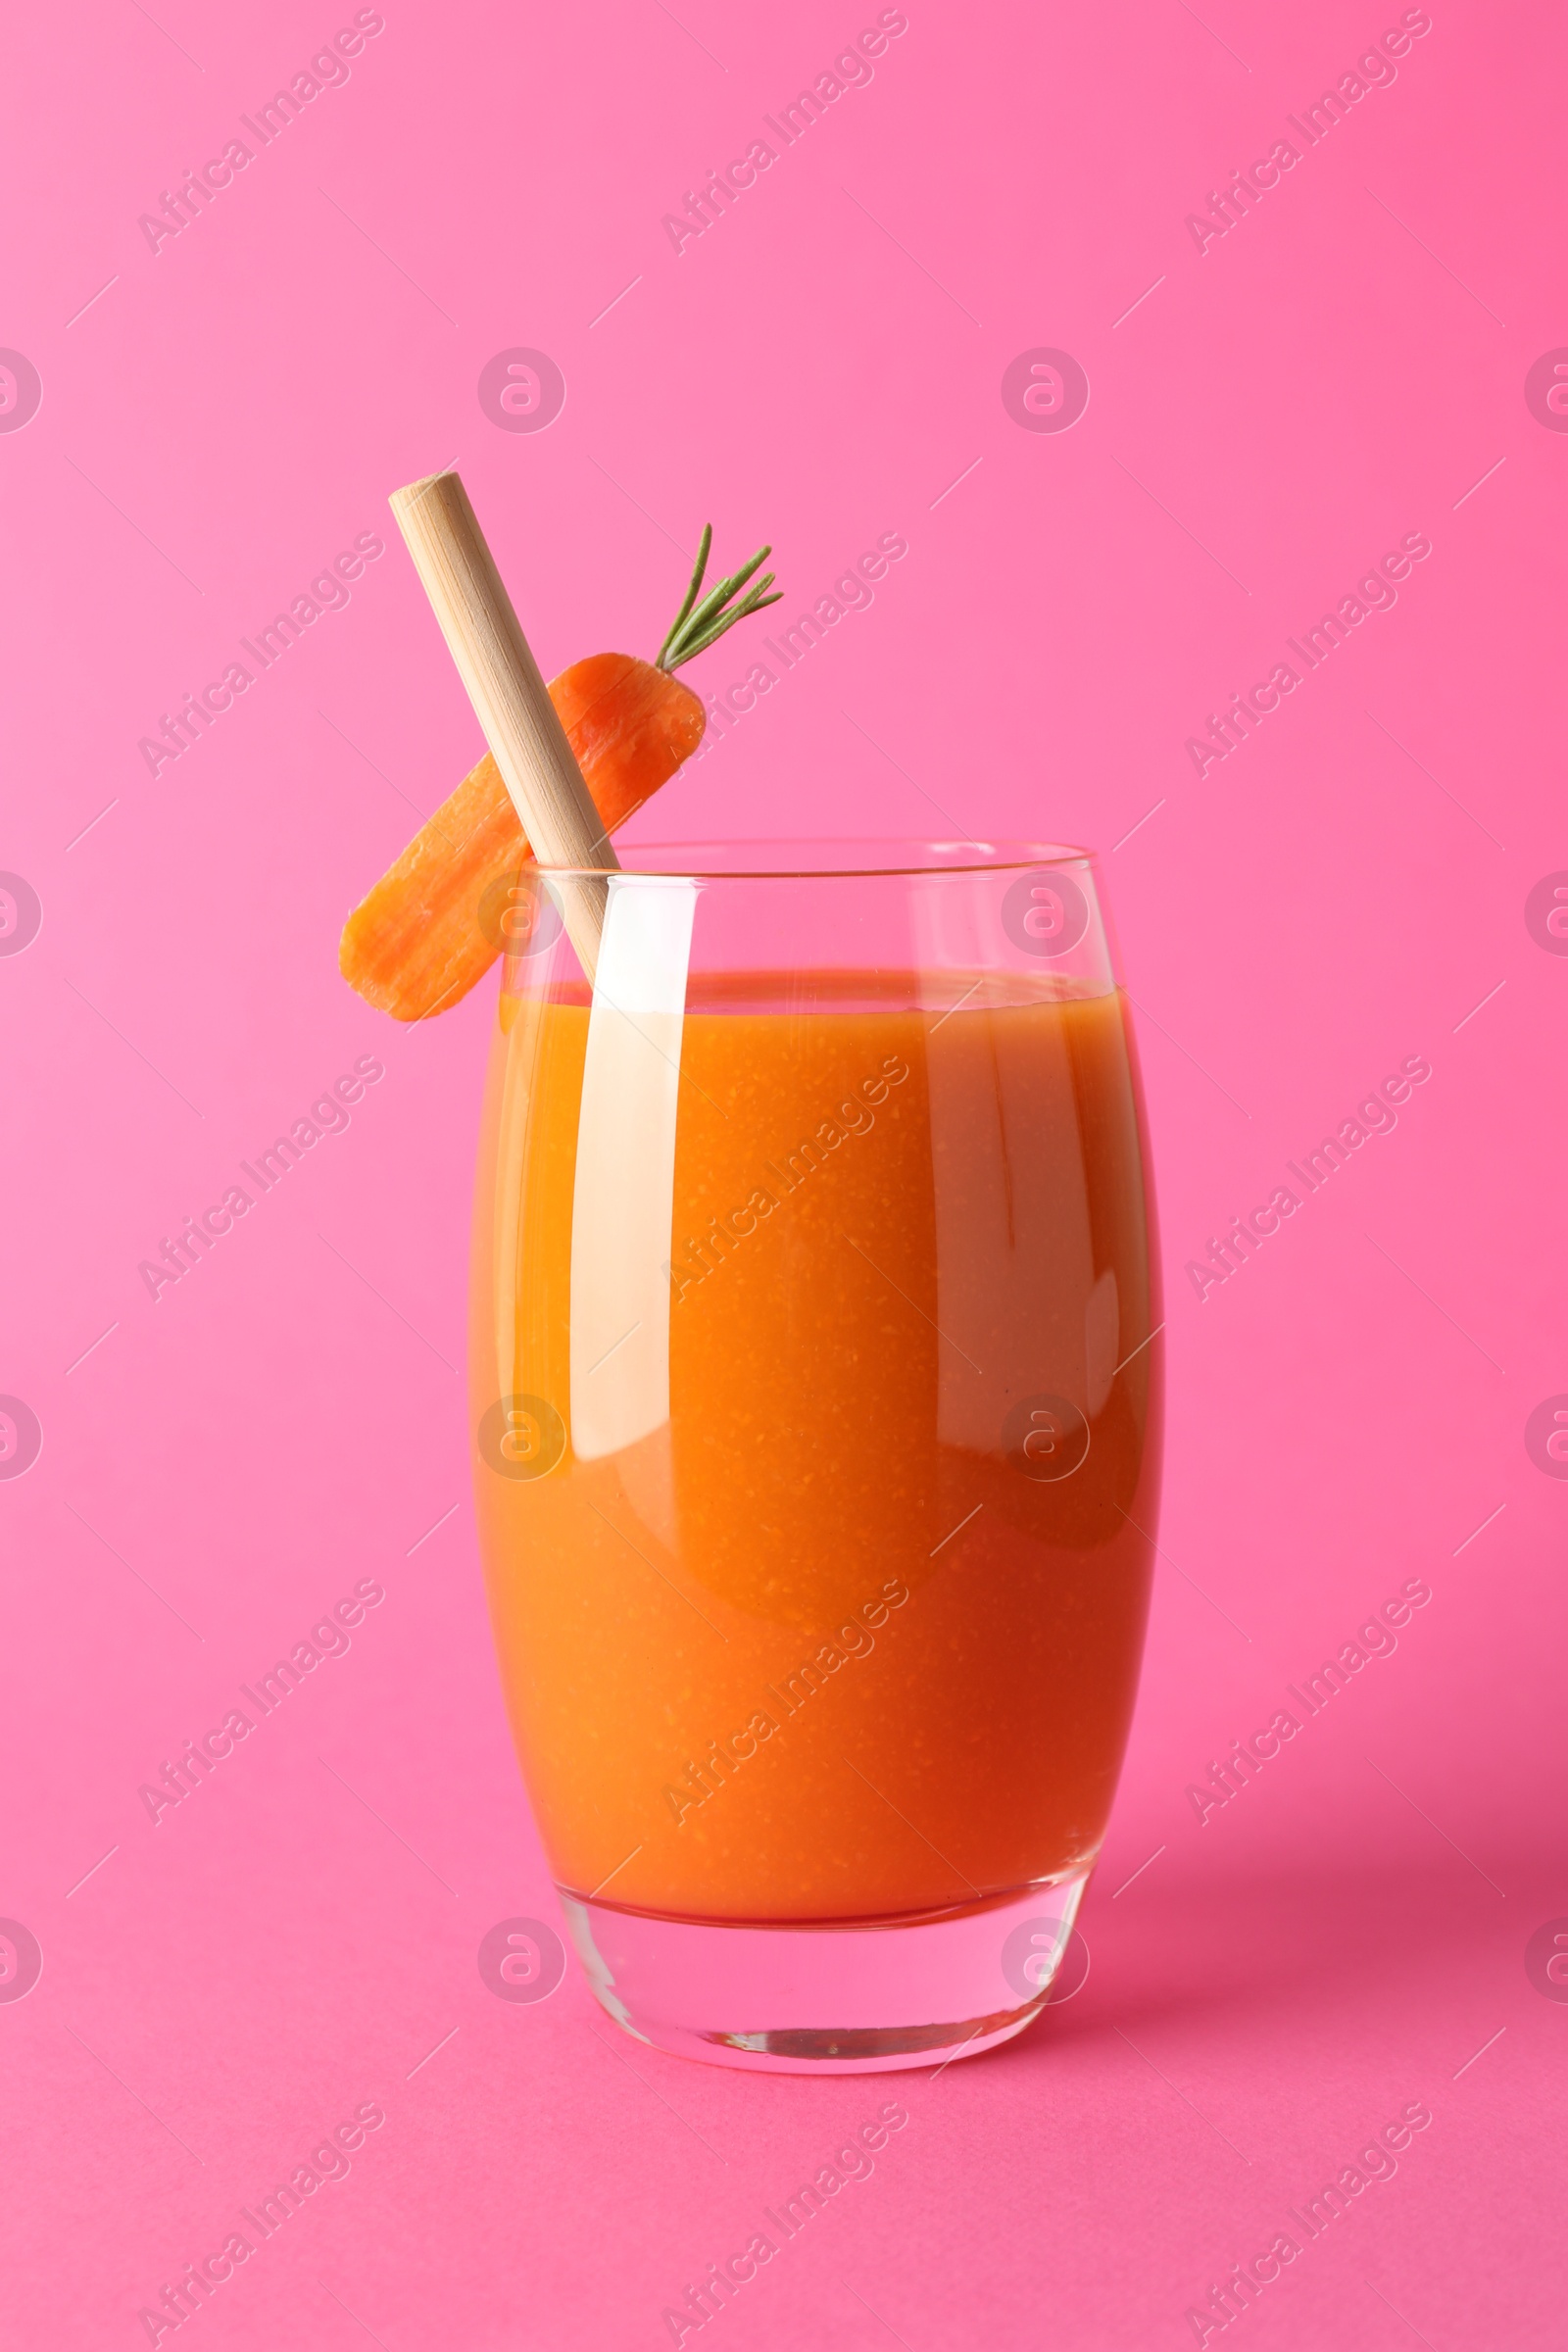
<point>846,1997</point>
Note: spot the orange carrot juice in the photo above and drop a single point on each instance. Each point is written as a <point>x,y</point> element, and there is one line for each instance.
<point>852,1631</point>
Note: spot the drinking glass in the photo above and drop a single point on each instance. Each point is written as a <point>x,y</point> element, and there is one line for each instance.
<point>815,1389</point>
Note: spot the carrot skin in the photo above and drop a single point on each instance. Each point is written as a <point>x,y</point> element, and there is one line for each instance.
<point>414,946</point>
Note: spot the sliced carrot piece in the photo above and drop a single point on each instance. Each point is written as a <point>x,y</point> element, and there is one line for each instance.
<point>416,944</point>
<point>423,935</point>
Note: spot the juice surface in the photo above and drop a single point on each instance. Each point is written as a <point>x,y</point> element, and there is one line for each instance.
<point>855,1632</point>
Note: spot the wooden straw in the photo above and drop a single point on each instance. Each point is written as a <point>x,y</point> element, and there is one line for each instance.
<point>510,697</point>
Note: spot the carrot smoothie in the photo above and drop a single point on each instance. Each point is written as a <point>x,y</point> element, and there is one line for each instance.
<point>851,1629</point>
<point>814,1377</point>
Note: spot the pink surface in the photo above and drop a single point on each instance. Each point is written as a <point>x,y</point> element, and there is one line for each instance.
<point>1267,417</point>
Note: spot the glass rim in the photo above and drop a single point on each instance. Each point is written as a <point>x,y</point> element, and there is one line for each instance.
<point>823,857</point>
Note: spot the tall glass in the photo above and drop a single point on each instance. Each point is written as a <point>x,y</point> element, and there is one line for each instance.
<point>816,1393</point>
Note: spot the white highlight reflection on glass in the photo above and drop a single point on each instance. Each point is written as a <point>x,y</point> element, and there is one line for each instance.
<point>624,1202</point>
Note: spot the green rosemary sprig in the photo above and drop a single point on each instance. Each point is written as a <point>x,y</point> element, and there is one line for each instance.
<point>696,627</point>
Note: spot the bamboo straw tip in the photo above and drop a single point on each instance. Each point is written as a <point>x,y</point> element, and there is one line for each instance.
<point>403,501</point>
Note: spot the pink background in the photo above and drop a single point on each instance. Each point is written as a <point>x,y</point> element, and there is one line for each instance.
<point>1343,891</point>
